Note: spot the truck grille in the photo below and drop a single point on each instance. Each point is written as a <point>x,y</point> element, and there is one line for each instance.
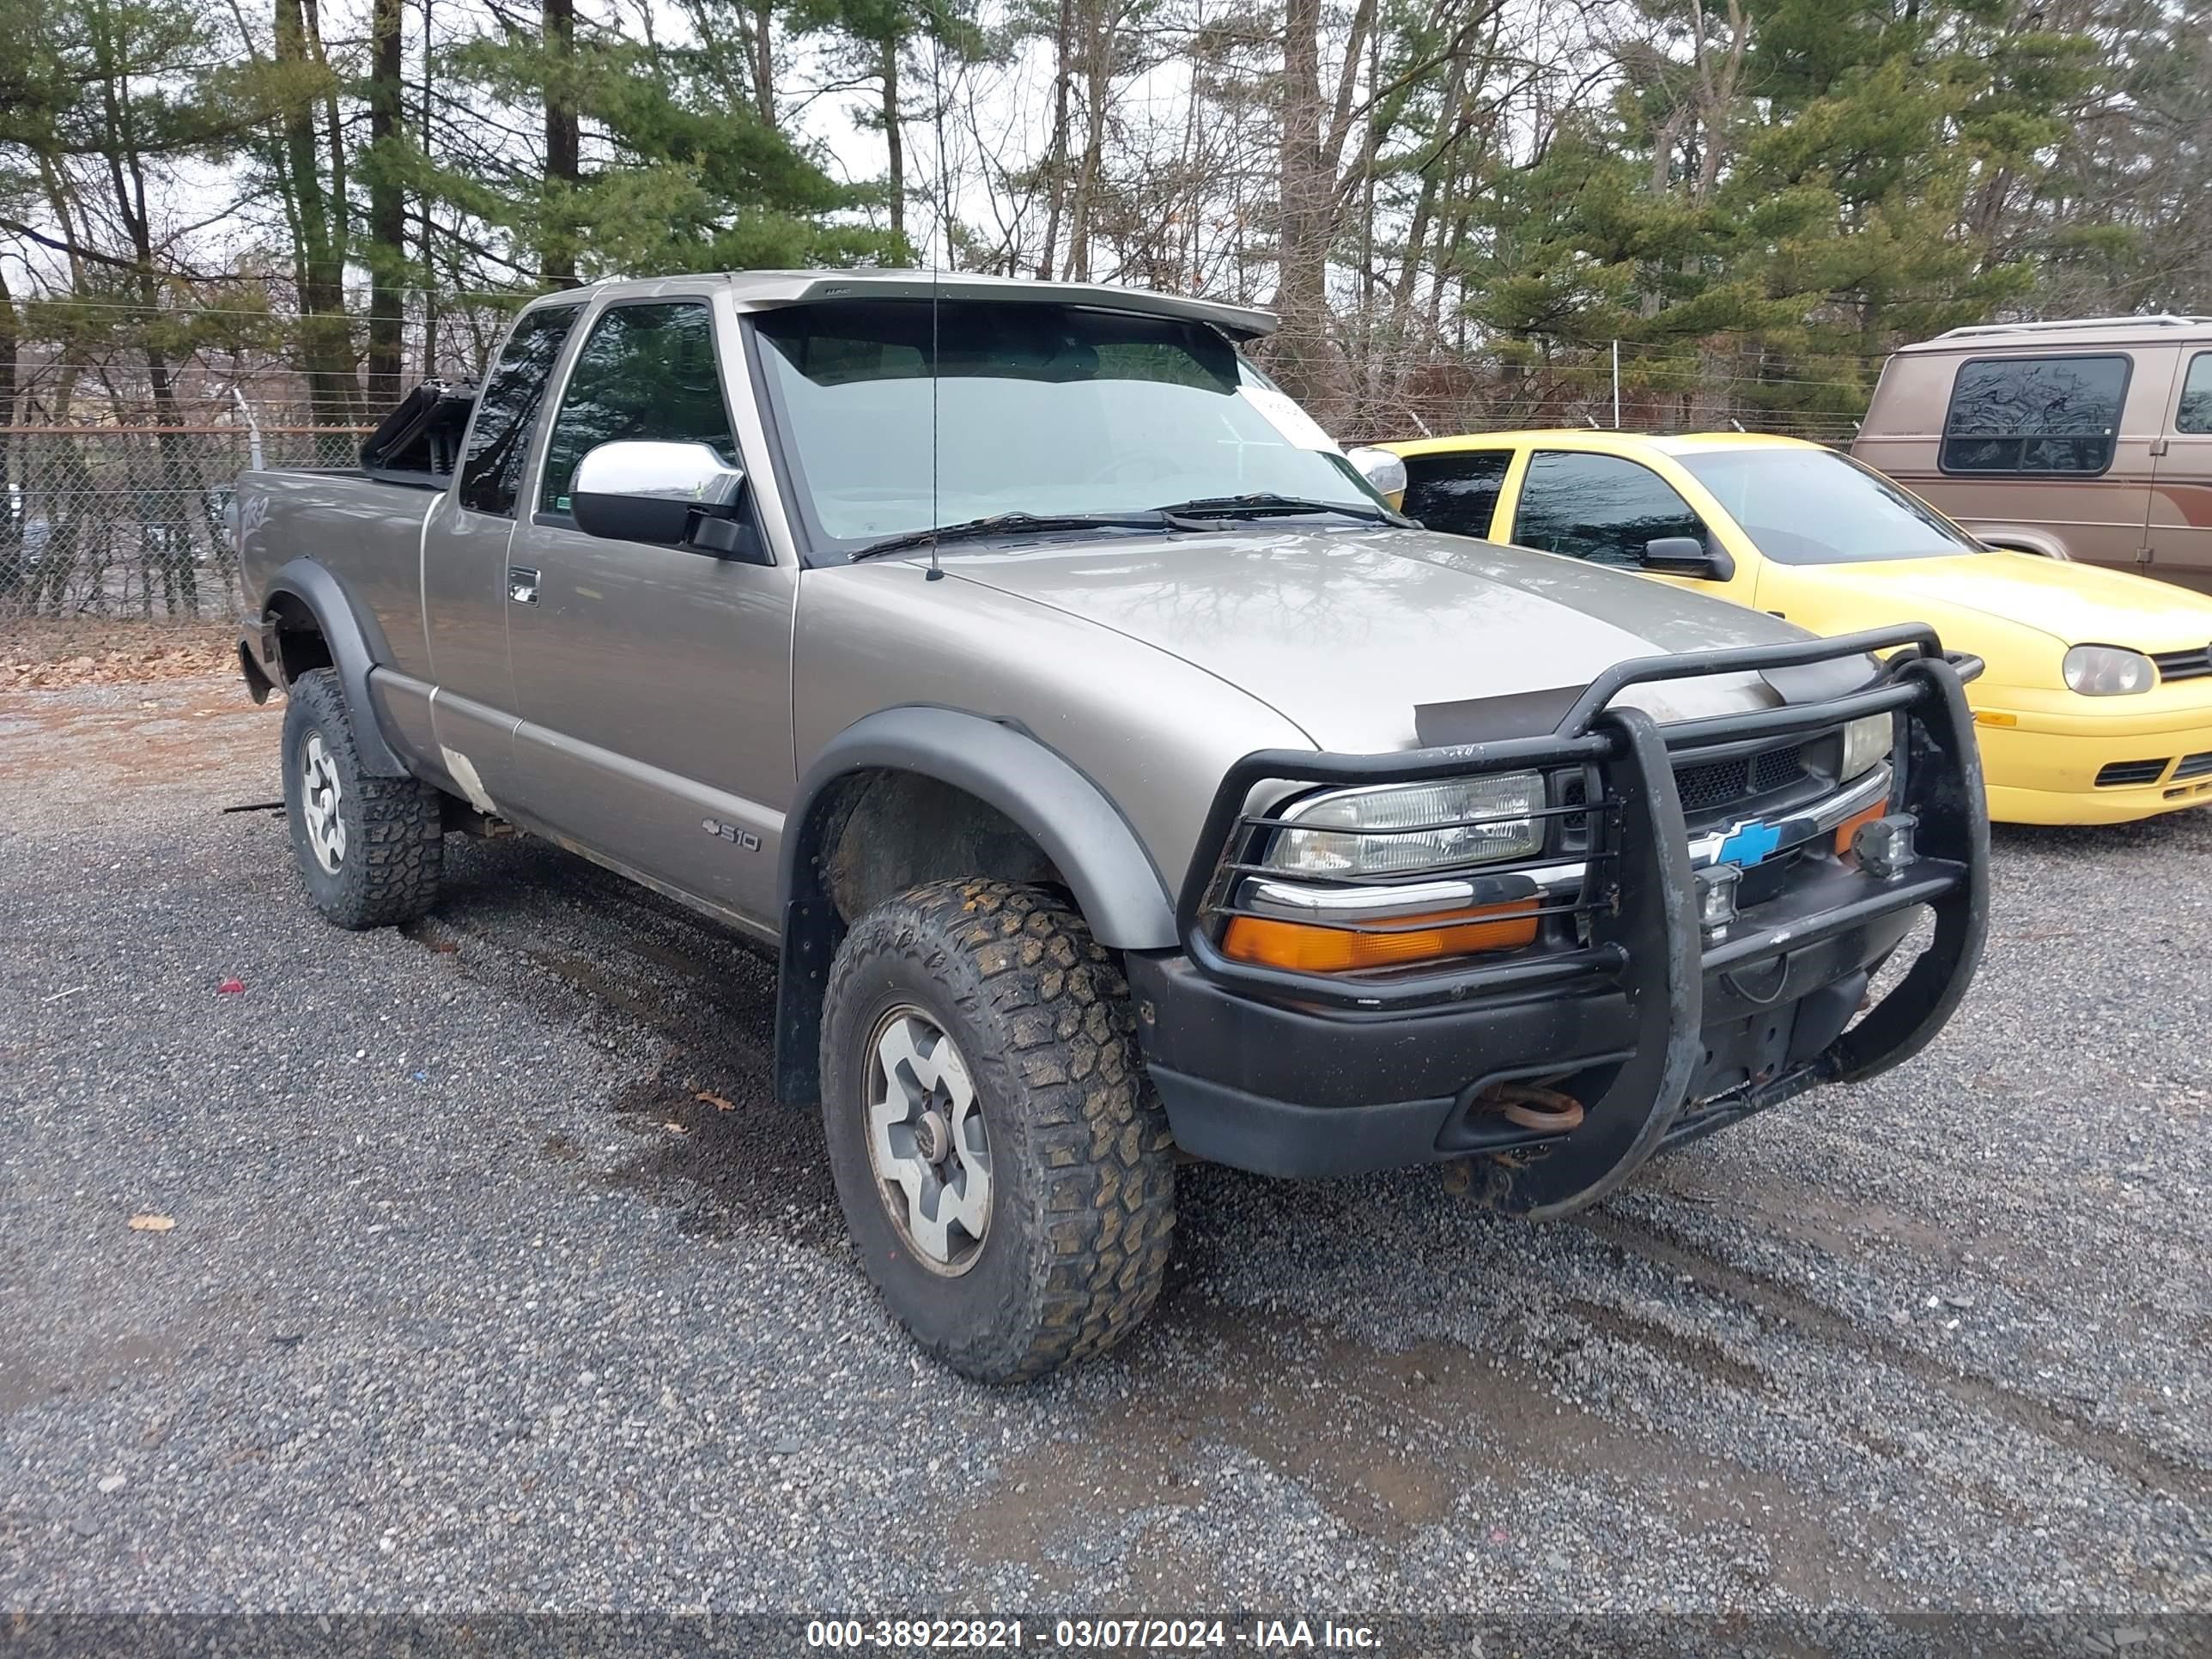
<point>1712,785</point>
<point>2117,774</point>
<point>2184,665</point>
<point>1712,791</point>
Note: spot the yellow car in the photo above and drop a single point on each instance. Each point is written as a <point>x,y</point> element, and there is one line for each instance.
<point>2097,704</point>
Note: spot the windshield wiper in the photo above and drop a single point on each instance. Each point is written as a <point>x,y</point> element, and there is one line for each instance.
<point>1263,503</point>
<point>1007,523</point>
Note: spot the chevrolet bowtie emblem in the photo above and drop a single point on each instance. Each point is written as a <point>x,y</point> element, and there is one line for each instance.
<point>1749,844</point>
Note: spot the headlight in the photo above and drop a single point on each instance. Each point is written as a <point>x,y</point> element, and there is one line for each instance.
<point>1422,825</point>
<point>2108,670</point>
<point>1866,745</point>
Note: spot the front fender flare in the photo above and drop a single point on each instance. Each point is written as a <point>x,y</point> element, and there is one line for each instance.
<point>1115,883</point>
<point>356,646</point>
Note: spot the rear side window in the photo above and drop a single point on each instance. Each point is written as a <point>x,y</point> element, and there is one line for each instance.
<point>2057,415</point>
<point>2194,414</point>
<point>507,410</point>
<point>1455,494</point>
<point>646,372</point>
<point>1598,507</point>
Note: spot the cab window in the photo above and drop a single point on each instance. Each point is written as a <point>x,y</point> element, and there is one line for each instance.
<point>644,371</point>
<point>2034,415</point>
<point>1456,493</point>
<point>1598,507</point>
<point>507,410</point>
<point>2194,412</point>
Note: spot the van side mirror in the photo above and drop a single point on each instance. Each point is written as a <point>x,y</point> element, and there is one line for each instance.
<point>671,495</point>
<point>1688,556</point>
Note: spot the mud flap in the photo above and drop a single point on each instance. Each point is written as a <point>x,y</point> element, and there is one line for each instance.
<point>1656,921</point>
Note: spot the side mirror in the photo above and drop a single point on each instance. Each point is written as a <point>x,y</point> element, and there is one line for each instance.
<point>1384,472</point>
<point>671,495</point>
<point>1688,556</point>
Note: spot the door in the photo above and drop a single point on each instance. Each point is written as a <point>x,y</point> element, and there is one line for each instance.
<point>2180,535</point>
<point>1607,508</point>
<point>654,683</point>
<point>473,711</point>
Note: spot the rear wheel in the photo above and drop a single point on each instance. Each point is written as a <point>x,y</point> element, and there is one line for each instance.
<point>1005,1169</point>
<point>368,848</point>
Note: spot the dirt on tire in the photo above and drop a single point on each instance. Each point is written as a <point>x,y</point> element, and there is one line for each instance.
<point>1083,1215</point>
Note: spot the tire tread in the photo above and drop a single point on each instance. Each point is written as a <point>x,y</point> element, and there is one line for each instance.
<point>395,878</point>
<point>1103,1203</point>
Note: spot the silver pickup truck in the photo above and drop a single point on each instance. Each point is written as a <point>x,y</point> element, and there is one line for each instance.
<point>1114,774</point>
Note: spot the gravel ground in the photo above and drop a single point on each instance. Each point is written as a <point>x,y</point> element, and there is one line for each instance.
<point>497,1281</point>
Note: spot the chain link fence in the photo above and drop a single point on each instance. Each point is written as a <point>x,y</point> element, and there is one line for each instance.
<point>136,522</point>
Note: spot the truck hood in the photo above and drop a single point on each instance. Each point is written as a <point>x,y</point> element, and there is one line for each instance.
<point>1360,638</point>
<point>2074,604</point>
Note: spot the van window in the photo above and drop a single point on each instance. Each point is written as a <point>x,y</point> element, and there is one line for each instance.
<point>2034,415</point>
<point>1455,494</point>
<point>2194,411</point>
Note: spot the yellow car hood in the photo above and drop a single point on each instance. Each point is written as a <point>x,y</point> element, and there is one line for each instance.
<point>2074,603</point>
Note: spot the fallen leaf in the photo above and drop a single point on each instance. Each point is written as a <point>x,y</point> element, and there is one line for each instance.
<point>147,1222</point>
<point>230,988</point>
<point>715,1101</point>
<point>673,1128</point>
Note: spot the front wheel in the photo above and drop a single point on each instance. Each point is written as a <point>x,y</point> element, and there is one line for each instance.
<point>1005,1170</point>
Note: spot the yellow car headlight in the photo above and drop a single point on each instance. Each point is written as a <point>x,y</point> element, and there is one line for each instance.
<point>2108,670</point>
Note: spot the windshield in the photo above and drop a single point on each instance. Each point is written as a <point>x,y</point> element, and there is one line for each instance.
<point>1815,506</point>
<point>1041,408</point>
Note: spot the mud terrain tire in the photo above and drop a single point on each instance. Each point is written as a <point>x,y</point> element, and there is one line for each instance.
<point>1081,1177</point>
<point>386,837</point>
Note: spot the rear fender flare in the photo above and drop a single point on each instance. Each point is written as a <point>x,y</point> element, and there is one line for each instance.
<point>356,646</point>
<point>1115,883</point>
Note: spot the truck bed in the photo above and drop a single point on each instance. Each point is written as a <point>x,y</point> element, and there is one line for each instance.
<point>367,531</point>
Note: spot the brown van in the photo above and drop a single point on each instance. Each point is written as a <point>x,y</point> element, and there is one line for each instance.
<point>2089,440</point>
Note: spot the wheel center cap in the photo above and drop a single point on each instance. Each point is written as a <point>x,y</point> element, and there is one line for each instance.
<point>933,1137</point>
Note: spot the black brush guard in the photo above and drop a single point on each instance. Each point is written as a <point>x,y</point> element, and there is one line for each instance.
<point>1636,925</point>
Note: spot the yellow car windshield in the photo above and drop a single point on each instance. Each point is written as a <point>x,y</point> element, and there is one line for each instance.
<point>1815,506</point>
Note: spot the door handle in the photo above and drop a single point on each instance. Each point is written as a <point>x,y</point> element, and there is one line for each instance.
<point>521,584</point>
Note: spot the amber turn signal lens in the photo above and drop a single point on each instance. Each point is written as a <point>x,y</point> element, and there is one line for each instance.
<point>1304,949</point>
<point>1847,831</point>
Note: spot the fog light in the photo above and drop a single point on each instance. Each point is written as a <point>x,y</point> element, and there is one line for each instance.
<point>1716,899</point>
<point>1884,847</point>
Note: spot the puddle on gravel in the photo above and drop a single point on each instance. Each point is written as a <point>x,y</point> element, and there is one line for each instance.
<point>1387,1443</point>
<point>95,1366</point>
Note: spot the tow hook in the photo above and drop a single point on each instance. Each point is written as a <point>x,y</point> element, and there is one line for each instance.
<point>1545,1110</point>
<point>1524,1105</point>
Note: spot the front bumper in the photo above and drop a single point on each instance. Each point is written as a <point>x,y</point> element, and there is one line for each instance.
<point>1662,1035</point>
<point>2043,769</point>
